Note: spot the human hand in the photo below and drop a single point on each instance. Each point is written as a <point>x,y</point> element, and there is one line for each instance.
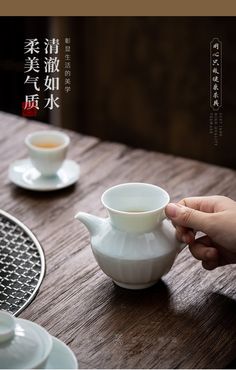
<point>215,216</point>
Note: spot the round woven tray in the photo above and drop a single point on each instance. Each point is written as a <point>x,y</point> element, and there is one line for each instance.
<point>22,264</point>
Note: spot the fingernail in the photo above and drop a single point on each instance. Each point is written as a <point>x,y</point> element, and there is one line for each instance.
<point>173,210</point>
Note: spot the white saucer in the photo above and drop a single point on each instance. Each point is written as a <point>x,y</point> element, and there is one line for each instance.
<point>61,356</point>
<point>23,174</point>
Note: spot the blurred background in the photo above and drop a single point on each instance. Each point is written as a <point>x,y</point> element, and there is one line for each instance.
<point>142,81</point>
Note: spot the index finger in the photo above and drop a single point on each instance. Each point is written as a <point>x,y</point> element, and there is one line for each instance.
<point>208,204</point>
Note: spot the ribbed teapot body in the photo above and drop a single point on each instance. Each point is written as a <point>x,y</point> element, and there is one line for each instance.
<point>135,260</point>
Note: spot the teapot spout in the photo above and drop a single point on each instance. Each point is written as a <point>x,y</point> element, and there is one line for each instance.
<point>93,223</point>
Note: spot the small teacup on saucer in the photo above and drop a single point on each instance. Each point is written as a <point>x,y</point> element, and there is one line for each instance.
<point>47,150</point>
<point>47,168</point>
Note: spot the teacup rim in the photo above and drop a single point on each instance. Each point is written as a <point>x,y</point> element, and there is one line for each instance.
<point>133,213</point>
<point>44,132</point>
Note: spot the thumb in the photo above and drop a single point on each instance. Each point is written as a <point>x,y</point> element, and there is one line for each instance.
<point>187,217</point>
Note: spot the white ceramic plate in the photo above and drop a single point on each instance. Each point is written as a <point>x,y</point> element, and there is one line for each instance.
<point>61,356</point>
<point>23,174</point>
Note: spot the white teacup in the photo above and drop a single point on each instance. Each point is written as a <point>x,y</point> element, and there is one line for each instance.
<point>23,344</point>
<point>47,150</point>
<point>27,345</point>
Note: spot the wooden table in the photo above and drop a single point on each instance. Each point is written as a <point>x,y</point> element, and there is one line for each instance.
<point>188,320</point>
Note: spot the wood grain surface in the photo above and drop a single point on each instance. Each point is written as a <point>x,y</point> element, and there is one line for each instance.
<point>187,320</point>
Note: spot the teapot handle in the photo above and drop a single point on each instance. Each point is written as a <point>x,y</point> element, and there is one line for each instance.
<point>164,217</point>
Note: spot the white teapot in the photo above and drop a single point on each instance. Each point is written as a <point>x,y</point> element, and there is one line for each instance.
<point>136,244</point>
